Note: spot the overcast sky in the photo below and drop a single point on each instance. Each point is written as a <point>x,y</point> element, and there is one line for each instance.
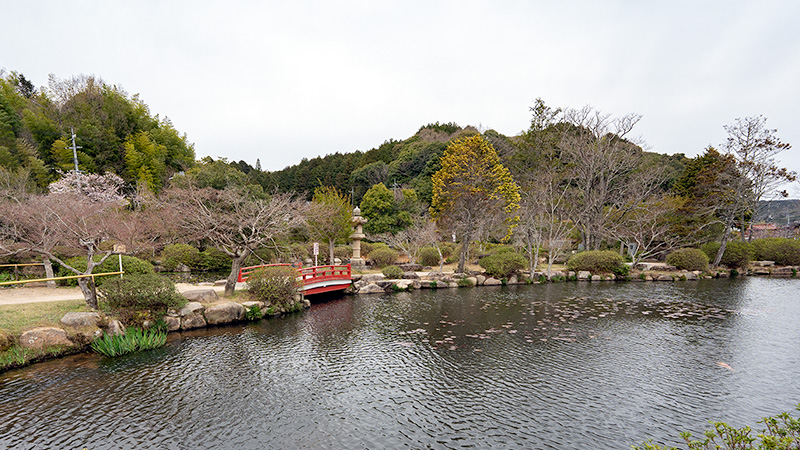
<point>280,81</point>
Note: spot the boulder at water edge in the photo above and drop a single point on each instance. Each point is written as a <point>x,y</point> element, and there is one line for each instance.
<point>202,295</point>
<point>224,312</point>
<point>173,323</point>
<point>80,319</point>
<point>191,321</point>
<point>5,341</point>
<point>39,338</point>
<point>492,282</point>
<point>191,308</point>
<point>371,288</point>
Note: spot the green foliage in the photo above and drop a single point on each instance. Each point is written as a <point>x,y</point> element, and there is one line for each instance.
<point>253,313</point>
<point>429,256</point>
<point>737,254</point>
<point>503,263</point>
<point>131,265</point>
<point>688,259</point>
<point>781,432</point>
<point>343,252</point>
<point>464,282</point>
<point>366,248</point>
<point>138,297</point>
<point>784,251</point>
<point>597,261</point>
<point>392,272</point>
<point>175,254</point>
<point>213,259</point>
<point>383,256</point>
<point>448,128</point>
<point>382,211</point>
<point>274,285</point>
<point>134,339</point>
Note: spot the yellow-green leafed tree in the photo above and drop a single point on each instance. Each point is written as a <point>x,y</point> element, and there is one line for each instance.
<point>471,190</point>
<point>145,160</point>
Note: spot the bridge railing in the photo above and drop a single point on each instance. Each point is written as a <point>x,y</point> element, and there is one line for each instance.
<point>322,273</point>
<point>307,275</point>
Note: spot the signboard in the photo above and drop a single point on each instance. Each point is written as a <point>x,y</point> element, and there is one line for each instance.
<point>316,248</point>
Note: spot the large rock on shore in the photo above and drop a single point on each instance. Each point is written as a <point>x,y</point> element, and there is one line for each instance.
<point>173,323</point>
<point>191,321</point>
<point>224,312</point>
<point>39,338</point>
<point>81,319</point>
<point>191,308</point>
<point>202,296</point>
<point>5,341</point>
<point>492,282</point>
<point>372,277</point>
<point>371,288</point>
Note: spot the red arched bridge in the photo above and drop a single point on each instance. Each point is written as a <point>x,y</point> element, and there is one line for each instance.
<point>315,280</point>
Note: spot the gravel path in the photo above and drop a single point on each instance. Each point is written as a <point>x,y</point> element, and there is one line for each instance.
<point>28,294</point>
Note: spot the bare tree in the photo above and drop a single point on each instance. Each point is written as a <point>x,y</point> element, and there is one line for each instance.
<point>233,220</point>
<point>411,240</point>
<point>754,147</point>
<point>604,163</point>
<point>44,222</point>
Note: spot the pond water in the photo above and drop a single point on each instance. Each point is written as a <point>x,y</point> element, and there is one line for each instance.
<point>569,365</point>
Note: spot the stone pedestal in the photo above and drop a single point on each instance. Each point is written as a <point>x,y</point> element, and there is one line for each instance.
<point>357,262</point>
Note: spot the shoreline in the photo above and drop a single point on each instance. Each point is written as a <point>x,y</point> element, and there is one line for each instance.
<point>206,304</point>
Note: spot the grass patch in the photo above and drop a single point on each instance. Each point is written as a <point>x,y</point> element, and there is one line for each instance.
<point>14,319</point>
<point>17,356</point>
<point>133,340</point>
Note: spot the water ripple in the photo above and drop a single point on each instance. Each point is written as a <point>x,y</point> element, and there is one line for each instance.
<point>549,366</point>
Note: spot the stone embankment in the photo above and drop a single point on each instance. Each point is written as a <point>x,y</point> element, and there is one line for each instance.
<point>205,308</point>
<point>376,283</point>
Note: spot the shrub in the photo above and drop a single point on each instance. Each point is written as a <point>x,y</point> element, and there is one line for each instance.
<point>134,339</point>
<point>429,256</point>
<point>781,432</point>
<point>502,264</point>
<point>131,265</point>
<point>784,251</point>
<point>366,248</point>
<point>175,254</point>
<point>343,252</point>
<point>213,259</point>
<point>737,254</point>
<point>392,272</point>
<point>253,313</point>
<point>447,249</point>
<point>597,261</point>
<point>688,259</point>
<point>383,256</point>
<point>274,285</point>
<point>138,297</point>
<point>464,282</point>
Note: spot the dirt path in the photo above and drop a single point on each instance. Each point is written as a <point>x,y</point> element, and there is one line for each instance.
<point>27,294</point>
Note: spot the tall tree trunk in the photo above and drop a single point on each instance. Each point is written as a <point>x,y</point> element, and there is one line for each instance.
<point>331,243</point>
<point>48,272</point>
<point>89,292</point>
<point>236,265</point>
<point>462,258</point>
<point>723,243</point>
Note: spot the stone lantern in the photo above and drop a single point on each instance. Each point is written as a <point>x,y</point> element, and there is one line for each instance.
<point>357,262</point>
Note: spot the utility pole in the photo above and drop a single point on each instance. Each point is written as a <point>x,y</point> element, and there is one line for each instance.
<point>74,150</point>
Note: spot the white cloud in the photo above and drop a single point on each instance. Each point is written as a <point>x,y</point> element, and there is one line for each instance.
<point>280,81</point>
